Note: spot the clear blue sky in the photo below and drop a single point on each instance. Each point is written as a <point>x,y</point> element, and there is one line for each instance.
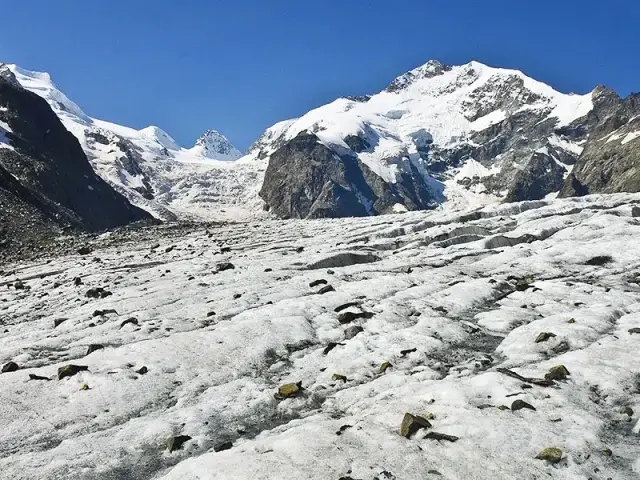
<point>241,65</point>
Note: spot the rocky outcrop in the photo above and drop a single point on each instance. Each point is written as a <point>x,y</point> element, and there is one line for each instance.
<point>306,179</point>
<point>46,181</point>
<point>539,177</point>
<point>610,162</point>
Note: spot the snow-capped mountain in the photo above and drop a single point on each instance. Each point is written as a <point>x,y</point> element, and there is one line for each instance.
<point>436,134</point>
<point>149,167</point>
<point>212,144</point>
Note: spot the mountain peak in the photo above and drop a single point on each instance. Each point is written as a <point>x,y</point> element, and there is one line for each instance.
<point>160,136</point>
<point>431,69</point>
<point>214,145</point>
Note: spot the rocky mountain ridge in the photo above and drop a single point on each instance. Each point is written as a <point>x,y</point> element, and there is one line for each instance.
<point>46,183</point>
<point>439,136</point>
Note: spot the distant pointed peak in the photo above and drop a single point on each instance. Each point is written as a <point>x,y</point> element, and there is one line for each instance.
<point>213,144</point>
<point>163,138</point>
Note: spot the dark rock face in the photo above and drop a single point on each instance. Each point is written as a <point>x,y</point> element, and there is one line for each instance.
<point>539,177</point>
<point>610,162</point>
<point>46,182</point>
<point>305,179</point>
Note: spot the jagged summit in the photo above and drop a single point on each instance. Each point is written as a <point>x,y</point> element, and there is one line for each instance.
<point>430,69</point>
<point>214,145</point>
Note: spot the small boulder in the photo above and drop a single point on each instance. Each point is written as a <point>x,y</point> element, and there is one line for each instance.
<point>385,365</point>
<point>132,321</point>
<point>71,370</point>
<point>559,372</point>
<point>19,285</point>
<point>58,321</point>
<point>551,455</point>
<point>142,371</point>
<point>561,347</point>
<point>520,404</point>
<point>93,347</point>
<point>219,447</point>
<point>523,284</point>
<point>634,330</point>
<point>10,367</point>
<point>412,423</point>
<point>441,436</point>
<point>289,390</point>
<point>85,250</point>
<point>348,317</point>
<point>98,292</point>
<point>344,306</point>
<point>176,443</point>
<point>337,377</point>
<point>330,346</point>
<point>224,266</point>
<point>33,376</point>
<point>352,331</point>
<point>326,289</point>
<point>319,282</point>
<point>77,281</point>
<point>544,336</point>
<point>599,260</point>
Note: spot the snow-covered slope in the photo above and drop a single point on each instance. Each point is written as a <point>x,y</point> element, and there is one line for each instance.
<point>454,318</point>
<point>151,169</point>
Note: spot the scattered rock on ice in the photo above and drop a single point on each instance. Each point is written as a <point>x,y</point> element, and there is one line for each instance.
<point>544,336</point>
<point>289,390</point>
<point>326,289</point>
<point>221,267</point>
<point>71,370</point>
<point>552,455</point>
<point>520,404</point>
<point>98,292</point>
<point>94,347</point>
<point>176,443</point>
<point>10,367</point>
<point>352,331</point>
<point>412,423</point>
<point>384,367</point>
<point>441,436</point>
<point>559,372</point>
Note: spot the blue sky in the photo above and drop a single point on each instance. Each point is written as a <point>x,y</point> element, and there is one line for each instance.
<point>241,65</point>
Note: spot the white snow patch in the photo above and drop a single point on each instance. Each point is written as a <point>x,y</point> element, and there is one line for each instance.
<point>630,137</point>
<point>567,145</point>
